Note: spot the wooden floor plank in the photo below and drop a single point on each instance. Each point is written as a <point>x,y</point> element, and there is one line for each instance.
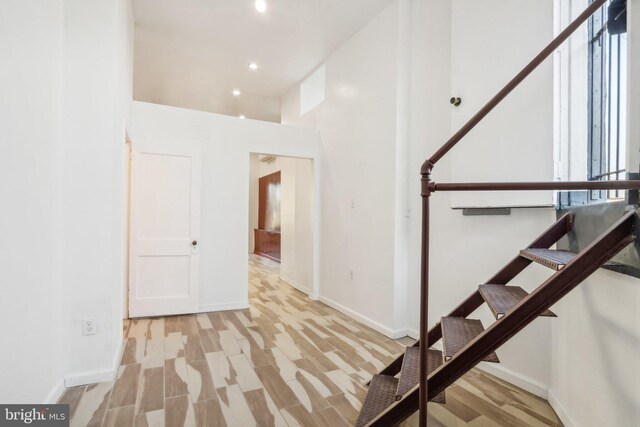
<point>286,361</point>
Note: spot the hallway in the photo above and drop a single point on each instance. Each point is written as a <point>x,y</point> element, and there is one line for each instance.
<point>287,361</point>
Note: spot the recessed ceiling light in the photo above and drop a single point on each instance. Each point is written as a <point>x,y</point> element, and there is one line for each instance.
<point>241,117</point>
<point>236,92</point>
<point>261,6</point>
<point>253,66</point>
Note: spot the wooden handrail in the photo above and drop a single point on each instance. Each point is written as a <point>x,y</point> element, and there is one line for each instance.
<point>493,102</point>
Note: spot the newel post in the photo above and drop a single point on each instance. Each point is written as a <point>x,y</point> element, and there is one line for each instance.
<point>424,297</point>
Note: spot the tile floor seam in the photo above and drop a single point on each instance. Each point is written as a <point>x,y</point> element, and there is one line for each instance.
<point>282,335</point>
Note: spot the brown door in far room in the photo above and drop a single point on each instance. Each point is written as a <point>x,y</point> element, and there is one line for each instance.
<point>267,235</point>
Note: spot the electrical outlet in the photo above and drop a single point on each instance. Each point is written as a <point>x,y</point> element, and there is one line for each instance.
<point>89,326</point>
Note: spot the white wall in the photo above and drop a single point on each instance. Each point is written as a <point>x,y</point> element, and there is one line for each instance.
<point>63,120</point>
<point>97,90</point>
<point>467,250</point>
<point>596,338</point>
<point>357,124</point>
<point>31,46</point>
<point>571,92</point>
<point>297,267</point>
<point>365,82</point>
<point>633,46</point>
<point>490,44</point>
<point>362,124</point>
<point>225,143</point>
<point>593,344</point>
<point>296,216</point>
<point>596,347</point>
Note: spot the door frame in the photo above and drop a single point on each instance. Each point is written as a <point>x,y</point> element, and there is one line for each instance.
<point>314,291</point>
<point>127,225</point>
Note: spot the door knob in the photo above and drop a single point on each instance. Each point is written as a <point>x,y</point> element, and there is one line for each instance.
<point>194,243</point>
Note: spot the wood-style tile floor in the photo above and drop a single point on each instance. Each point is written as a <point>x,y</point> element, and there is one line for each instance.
<point>286,361</point>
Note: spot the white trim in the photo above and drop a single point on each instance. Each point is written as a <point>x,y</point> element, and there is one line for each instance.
<point>296,285</point>
<point>90,378</point>
<point>97,376</point>
<point>118,359</point>
<point>515,378</point>
<point>206,308</point>
<point>316,223</point>
<point>506,374</point>
<point>561,411</point>
<point>398,333</point>
<point>55,393</point>
<point>401,199</point>
<point>412,333</point>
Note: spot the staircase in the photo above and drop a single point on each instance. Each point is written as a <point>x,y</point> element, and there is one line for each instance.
<point>423,373</point>
<point>393,394</point>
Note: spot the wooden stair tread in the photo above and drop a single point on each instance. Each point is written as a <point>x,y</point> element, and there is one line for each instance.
<point>457,332</point>
<point>381,394</point>
<point>410,372</point>
<point>553,258</point>
<point>501,299</point>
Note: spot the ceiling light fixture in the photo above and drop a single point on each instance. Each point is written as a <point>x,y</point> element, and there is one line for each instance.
<point>261,6</point>
<point>253,66</point>
<point>241,117</point>
<point>236,92</point>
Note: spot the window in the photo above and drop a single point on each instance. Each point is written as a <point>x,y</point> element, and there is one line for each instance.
<point>607,89</point>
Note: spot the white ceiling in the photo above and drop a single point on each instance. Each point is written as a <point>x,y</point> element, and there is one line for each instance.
<point>193,53</point>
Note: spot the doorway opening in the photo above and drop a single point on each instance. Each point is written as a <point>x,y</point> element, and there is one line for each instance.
<point>281,220</point>
<point>267,236</point>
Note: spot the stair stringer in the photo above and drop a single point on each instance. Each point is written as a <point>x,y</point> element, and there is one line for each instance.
<point>514,267</point>
<point>547,239</point>
<point>616,238</point>
<point>612,241</point>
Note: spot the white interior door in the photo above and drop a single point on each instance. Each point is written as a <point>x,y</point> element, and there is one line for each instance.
<point>165,220</point>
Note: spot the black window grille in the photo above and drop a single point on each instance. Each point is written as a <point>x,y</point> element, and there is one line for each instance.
<point>607,79</point>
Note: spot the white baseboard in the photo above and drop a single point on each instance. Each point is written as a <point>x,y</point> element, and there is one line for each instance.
<point>118,359</point>
<point>393,334</point>
<point>205,308</point>
<point>561,411</point>
<point>304,289</point>
<point>515,378</point>
<point>55,393</point>
<point>90,377</point>
<point>98,376</point>
<point>506,374</point>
